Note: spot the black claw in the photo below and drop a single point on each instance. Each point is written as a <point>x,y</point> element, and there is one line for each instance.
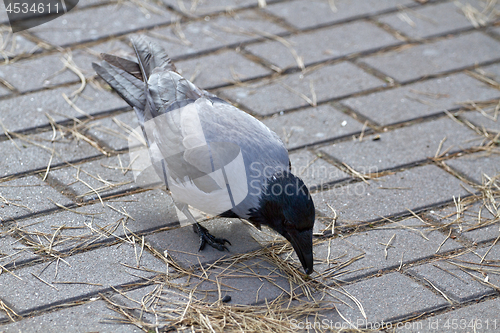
<point>203,242</point>
<point>207,238</point>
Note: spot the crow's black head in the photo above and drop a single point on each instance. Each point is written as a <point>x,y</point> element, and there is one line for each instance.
<point>286,206</point>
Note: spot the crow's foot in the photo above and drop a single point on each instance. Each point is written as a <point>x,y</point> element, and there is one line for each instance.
<point>207,238</point>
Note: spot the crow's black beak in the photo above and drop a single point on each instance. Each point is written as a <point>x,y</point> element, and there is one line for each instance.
<point>302,244</point>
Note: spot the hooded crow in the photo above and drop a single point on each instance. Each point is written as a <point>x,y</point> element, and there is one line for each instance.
<point>211,155</point>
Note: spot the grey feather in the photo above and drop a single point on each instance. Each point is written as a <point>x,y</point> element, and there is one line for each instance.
<point>128,66</point>
<point>167,87</point>
<point>126,85</point>
<point>151,56</point>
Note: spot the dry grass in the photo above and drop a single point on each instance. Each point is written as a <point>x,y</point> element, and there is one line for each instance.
<point>489,110</point>
<point>195,298</point>
<point>60,134</point>
<point>481,14</point>
<point>480,210</point>
<point>8,311</point>
<point>192,299</point>
<point>197,316</point>
<point>49,241</point>
<point>10,50</point>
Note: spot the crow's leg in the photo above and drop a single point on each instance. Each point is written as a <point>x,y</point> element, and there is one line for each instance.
<point>205,236</point>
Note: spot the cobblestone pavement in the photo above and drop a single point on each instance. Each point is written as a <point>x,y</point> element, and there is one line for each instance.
<point>388,107</point>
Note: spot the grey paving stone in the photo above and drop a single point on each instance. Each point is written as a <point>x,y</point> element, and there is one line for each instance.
<point>489,121</point>
<point>114,131</point>
<point>183,243</point>
<point>149,210</point>
<point>105,176</point>
<point>15,44</point>
<point>488,11</point>
<point>35,105</point>
<point>409,240</point>
<point>434,58</point>
<point>35,152</point>
<point>451,280</point>
<point>134,301</point>
<point>492,71</point>
<point>390,195</point>
<point>328,82</point>
<point>44,72</point>
<point>26,196</point>
<point>11,250</point>
<point>420,99</point>
<point>190,38</point>
<point>306,14</point>
<point>246,282</point>
<point>83,318</point>
<point>495,30</point>
<point>468,287</point>
<point>313,170</point>
<point>67,230</point>
<point>77,229</point>
<point>4,91</point>
<point>220,69</point>
<point>18,160</point>
<point>489,255</point>
<point>91,24</point>
<point>324,44</point>
<point>475,165</point>
<point>119,47</point>
<point>475,222</point>
<point>483,122</point>
<point>479,317</point>
<point>337,259</point>
<point>205,7</point>
<point>427,21</point>
<point>311,125</point>
<point>90,272</point>
<point>378,297</point>
<point>403,146</point>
